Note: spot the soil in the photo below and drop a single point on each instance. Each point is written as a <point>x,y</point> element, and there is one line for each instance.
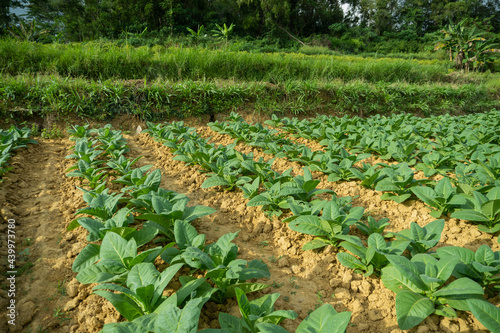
<point>43,201</point>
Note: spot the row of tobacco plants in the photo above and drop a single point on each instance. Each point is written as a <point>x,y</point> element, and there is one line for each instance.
<point>126,225</point>
<point>425,282</point>
<point>10,140</point>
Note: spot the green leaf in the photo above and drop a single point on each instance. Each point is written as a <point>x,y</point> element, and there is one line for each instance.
<point>122,303</point>
<point>409,271</point>
<point>215,181</point>
<point>412,309</point>
<point>350,261</point>
<point>325,320</point>
<point>462,286</point>
<point>315,244</point>
<point>308,224</point>
<point>88,256</point>
<point>115,248</point>
<point>469,215</point>
<point>486,313</point>
<point>491,208</point>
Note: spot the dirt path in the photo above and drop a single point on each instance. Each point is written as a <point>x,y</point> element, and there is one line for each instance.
<point>33,199</point>
<point>43,201</point>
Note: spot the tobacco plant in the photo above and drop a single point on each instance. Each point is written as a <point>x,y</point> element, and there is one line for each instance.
<point>482,266</point>
<point>253,315</point>
<point>334,220</point>
<point>421,289</point>
<point>115,258</point>
<point>372,258</point>
<point>484,209</point>
<point>165,319</point>
<point>422,239</point>
<point>143,294</point>
<point>398,183</point>
<point>444,197</point>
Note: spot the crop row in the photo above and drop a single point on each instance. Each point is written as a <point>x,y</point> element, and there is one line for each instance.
<point>10,140</point>
<point>128,278</point>
<point>423,280</point>
<point>473,155</point>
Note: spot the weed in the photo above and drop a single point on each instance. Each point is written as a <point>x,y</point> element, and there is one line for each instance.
<point>27,242</point>
<point>52,133</point>
<point>61,289</point>
<point>293,284</point>
<point>59,314</point>
<point>277,285</point>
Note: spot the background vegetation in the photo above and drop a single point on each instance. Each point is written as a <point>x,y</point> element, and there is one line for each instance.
<point>168,58</point>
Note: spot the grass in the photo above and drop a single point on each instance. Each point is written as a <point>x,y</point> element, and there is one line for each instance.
<point>107,60</point>
<point>159,99</point>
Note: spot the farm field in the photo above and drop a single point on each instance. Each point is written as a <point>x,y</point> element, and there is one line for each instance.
<point>268,157</point>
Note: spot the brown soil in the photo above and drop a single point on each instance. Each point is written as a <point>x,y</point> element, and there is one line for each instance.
<point>42,200</point>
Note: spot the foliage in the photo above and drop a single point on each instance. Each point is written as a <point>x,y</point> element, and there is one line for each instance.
<point>420,288</point>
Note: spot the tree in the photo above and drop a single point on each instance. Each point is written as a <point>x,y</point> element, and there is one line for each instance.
<point>467,45</point>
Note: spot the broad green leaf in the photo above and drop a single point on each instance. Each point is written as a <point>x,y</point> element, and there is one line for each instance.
<point>325,320</point>
<point>412,309</point>
<point>350,261</point>
<point>316,243</point>
<point>469,215</point>
<point>490,209</point>
<point>409,270</point>
<point>88,256</point>
<point>486,313</point>
<point>123,304</point>
<point>308,224</point>
<point>115,248</point>
<point>462,286</point>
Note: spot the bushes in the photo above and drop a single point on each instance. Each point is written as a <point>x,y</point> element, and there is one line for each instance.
<point>160,99</point>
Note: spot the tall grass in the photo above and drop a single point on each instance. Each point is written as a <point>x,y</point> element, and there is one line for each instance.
<point>161,99</point>
<point>97,60</point>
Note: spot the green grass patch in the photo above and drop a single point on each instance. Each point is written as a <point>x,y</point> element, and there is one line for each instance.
<point>106,60</point>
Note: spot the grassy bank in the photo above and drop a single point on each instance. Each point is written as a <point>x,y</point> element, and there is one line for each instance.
<point>159,99</point>
<point>97,60</point>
